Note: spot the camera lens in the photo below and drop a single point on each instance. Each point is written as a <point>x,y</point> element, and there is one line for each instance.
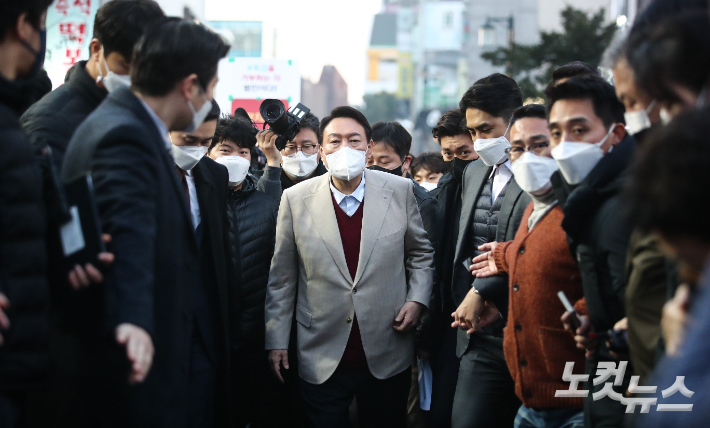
<point>272,112</point>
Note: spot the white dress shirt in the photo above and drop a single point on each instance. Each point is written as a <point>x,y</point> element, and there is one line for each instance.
<point>194,203</point>
<point>349,203</point>
<point>501,174</point>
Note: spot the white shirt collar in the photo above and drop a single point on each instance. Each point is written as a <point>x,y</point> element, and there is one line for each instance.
<point>505,164</point>
<point>162,128</point>
<point>358,194</point>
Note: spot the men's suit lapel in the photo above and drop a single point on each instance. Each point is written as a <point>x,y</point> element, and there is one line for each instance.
<point>130,101</point>
<point>512,194</point>
<point>377,201</point>
<point>473,184</point>
<point>320,206</point>
<point>204,189</point>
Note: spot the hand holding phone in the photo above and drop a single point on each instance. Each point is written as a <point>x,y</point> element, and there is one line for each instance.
<point>576,323</point>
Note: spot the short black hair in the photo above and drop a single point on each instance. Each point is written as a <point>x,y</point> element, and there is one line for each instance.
<point>345,112</point>
<point>310,121</point>
<point>10,11</point>
<point>394,135</point>
<point>530,110</point>
<point>214,113</point>
<point>676,51</point>
<point>119,24</point>
<point>657,11</point>
<point>588,87</point>
<point>572,69</point>
<point>497,95</point>
<point>451,124</point>
<point>173,50</point>
<point>432,162</point>
<point>668,190</point>
<point>236,129</point>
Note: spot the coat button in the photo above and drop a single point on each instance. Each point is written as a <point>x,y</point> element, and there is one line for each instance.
<point>349,320</point>
<point>516,287</point>
<point>518,327</point>
<point>521,250</point>
<point>523,363</point>
<point>354,290</point>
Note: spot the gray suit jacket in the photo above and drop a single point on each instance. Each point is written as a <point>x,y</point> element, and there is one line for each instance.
<point>309,274</point>
<point>494,288</point>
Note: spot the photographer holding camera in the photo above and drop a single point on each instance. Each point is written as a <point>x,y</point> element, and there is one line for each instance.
<point>299,160</point>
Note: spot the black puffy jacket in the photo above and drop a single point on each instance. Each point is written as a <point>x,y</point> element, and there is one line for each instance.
<point>53,120</point>
<point>23,355</point>
<point>252,229</point>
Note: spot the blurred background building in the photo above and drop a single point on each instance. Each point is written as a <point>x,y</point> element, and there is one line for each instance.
<point>420,58</point>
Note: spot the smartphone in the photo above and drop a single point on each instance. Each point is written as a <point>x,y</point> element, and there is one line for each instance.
<point>568,306</point>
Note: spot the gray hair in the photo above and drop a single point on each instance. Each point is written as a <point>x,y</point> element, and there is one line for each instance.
<point>616,50</point>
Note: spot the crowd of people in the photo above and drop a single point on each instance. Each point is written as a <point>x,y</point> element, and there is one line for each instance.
<point>546,269</point>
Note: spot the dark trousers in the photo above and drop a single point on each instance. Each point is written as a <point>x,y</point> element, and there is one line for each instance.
<point>380,403</point>
<point>259,399</point>
<point>202,386</point>
<point>485,391</point>
<point>445,372</point>
<point>12,410</point>
<point>605,412</point>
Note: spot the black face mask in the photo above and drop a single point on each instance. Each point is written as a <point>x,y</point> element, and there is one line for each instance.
<point>456,167</point>
<point>396,171</point>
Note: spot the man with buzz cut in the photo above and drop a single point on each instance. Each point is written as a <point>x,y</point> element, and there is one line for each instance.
<point>492,208</point>
<point>353,262</point>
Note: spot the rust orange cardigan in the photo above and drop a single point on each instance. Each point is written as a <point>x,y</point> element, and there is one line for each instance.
<point>539,264</point>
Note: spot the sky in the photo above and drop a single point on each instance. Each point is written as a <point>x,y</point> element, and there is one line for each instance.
<point>314,32</point>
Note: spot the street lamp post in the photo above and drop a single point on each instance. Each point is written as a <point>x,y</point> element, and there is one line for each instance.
<point>487,32</point>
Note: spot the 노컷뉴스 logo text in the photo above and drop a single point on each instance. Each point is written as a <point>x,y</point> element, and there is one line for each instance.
<point>607,369</point>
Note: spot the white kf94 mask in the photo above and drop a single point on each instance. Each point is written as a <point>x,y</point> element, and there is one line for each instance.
<point>346,163</point>
<point>237,166</point>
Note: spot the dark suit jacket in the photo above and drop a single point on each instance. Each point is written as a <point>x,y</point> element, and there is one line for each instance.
<point>494,288</point>
<point>211,184</point>
<point>142,205</point>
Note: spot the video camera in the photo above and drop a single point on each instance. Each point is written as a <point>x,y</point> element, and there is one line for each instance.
<point>285,124</point>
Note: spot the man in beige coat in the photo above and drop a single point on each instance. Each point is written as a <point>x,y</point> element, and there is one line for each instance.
<point>353,261</point>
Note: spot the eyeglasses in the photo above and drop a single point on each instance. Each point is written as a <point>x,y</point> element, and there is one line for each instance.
<point>308,148</point>
<point>515,152</point>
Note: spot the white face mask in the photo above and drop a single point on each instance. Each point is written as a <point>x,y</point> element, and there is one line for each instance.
<point>237,166</point>
<point>300,164</point>
<point>665,116</point>
<point>346,163</point>
<point>198,116</point>
<point>576,160</point>
<point>532,173</point>
<point>112,81</point>
<point>637,121</point>
<point>428,186</point>
<point>492,150</point>
<point>186,157</point>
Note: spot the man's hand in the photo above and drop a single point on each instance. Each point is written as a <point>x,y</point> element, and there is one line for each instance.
<point>484,265</point>
<point>408,316</point>
<point>266,140</point>
<point>81,277</point>
<point>4,320</point>
<point>674,321</point>
<point>139,350</point>
<point>469,311</point>
<point>585,336</point>
<point>278,357</point>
